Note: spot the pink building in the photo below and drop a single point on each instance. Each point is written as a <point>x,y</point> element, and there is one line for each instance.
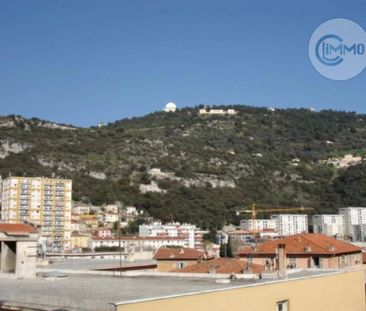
<point>103,233</point>
<point>305,251</point>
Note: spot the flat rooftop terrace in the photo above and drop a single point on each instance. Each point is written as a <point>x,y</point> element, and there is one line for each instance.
<point>99,292</point>
<point>91,264</point>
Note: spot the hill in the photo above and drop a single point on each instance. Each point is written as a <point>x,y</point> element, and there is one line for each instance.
<point>200,169</point>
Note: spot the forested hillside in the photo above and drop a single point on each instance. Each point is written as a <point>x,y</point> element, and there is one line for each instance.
<point>209,165</point>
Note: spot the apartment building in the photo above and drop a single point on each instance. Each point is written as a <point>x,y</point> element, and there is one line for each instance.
<point>45,202</point>
<point>189,232</point>
<point>328,224</point>
<point>137,243</point>
<point>354,222</point>
<point>288,224</point>
<point>258,224</point>
<point>303,251</point>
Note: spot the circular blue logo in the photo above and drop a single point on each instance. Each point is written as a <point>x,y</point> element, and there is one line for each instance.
<point>337,49</point>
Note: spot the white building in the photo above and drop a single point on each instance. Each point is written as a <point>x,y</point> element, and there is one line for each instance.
<point>189,232</point>
<point>81,209</point>
<point>217,112</point>
<point>111,208</point>
<point>74,226</point>
<point>258,224</point>
<point>346,161</point>
<point>354,222</point>
<point>289,224</point>
<point>137,243</point>
<point>328,224</point>
<point>131,210</point>
<point>249,235</point>
<point>45,202</point>
<point>110,217</point>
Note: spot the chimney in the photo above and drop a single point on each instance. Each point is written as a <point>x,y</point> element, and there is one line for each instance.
<point>281,260</point>
<point>331,248</point>
<point>308,249</point>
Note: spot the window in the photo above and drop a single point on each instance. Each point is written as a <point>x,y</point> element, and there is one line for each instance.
<point>292,263</point>
<point>282,305</point>
<point>180,265</point>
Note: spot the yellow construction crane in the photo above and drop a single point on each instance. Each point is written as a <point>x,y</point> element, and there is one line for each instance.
<point>254,211</point>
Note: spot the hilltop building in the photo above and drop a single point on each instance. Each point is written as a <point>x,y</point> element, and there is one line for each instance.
<point>346,161</point>
<point>328,224</point>
<point>222,112</point>
<point>45,202</point>
<point>354,222</point>
<point>289,224</point>
<point>170,107</point>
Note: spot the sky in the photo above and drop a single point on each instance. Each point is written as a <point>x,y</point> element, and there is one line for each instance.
<point>90,61</point>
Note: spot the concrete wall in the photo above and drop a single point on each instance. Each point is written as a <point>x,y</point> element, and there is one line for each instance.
<point>26,259</point>
<point>143,255</point>
<point>325,262</point>
<point>336,292</point>
<point>169,265</point>
<point>19,257</point>
<point>8,255</point>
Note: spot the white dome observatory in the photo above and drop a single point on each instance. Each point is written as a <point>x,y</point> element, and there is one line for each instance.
<point>170,107</point>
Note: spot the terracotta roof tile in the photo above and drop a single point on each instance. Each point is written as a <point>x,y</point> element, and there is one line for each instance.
<point>16,228</point>
<point>224,266</point>
<point>164,253</point>
<point>310,243</point>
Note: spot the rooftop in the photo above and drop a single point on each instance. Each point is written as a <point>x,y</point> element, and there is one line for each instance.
<point>97,292</point>
<point>17,229</point>
<point>309,243</point>
<point>178,254</point>
<point>224,266</point>
<point>92,264</point>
